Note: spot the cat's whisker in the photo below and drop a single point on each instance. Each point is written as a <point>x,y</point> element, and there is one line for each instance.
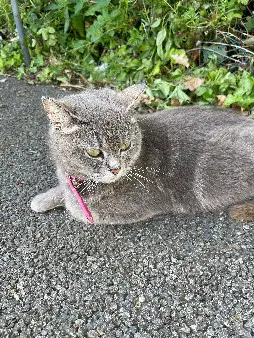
<point>65,195</point>
<point>140,182</point>
<point>87,186</point>
<point>133,176</point>
<point>143,177</point>
<point>129,178</point>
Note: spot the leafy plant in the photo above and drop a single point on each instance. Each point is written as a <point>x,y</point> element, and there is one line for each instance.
<point>6,20</point>
<point>123,42</point>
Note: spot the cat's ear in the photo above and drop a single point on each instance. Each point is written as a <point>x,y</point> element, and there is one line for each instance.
<point>59,115</point>
<point>132,95</point>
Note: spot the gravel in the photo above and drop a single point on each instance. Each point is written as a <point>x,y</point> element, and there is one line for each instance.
<point>168,277</point>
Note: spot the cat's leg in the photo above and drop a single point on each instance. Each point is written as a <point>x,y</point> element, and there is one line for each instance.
<point>51,199</point>
<point>73,207</point>
<point>242,212</point>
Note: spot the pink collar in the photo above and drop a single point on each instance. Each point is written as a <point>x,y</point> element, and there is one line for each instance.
<point>82,204</point>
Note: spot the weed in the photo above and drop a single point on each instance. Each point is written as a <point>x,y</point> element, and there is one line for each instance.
<point>186,53</point>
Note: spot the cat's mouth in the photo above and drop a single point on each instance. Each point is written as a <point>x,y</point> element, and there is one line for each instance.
<point>77,181</point>
<point>108,177</point>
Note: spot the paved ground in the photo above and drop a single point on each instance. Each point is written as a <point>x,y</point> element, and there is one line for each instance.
<point>170,277</point>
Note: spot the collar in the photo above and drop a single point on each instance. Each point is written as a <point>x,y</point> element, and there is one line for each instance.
<point>82,204</point>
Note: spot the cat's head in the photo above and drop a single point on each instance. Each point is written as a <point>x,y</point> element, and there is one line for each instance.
<point>94,135</point>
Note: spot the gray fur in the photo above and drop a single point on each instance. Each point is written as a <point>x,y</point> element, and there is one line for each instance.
<point>183,160</point>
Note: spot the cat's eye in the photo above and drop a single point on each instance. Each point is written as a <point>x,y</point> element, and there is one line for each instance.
<point>125,145</point>
<point>94,152</point>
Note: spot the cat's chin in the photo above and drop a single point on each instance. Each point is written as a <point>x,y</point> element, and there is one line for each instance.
<point>109,178</point>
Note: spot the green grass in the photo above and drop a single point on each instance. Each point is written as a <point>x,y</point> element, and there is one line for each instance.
<point>122,42</point>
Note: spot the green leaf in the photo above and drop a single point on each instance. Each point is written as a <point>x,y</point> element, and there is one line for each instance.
<point>227,81</point>
<point>21,72</point>
<point>67,20</point>
<point>78,24</point>
<point>244,2</point>
<point>168,45</point>
<point>51,30</point>
<point>248,101</point>
<point>177,74</point>
<point>62,79</point>
<point>230,100</point>
<point>38,61</point>
<point>98,7</point>
<point>201,91</point>
<point>164,87</point>
<point>78,45</point>
<point>149,92</point>
<point>232,15</point>
<point>94,32</point>
<point>52,7</point>
<point>33,69</point>
<point>206,94</point>
<point>241,101</point>
<point>52,41</point>
<point>44,34</point>
<point>115,13</point>
<point>246,85</point>
<point>159,40</point>
<point>78,7</point>
<point>180,95</point>
<point>156,69</point>
<point>156,23</point>
<point>161,36</point>
<point>250,24</point>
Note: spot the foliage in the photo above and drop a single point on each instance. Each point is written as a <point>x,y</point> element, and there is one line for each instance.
<point>124,42</point>
<point>208,85</point>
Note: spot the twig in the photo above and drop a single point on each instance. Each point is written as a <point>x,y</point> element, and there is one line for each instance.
<point>241,56</point>
<point>69,85</point>
<point>229,45</point>
<point>228,33</point>
<point>200,27</point>
<point>242,32</point>
<point>214,52</point>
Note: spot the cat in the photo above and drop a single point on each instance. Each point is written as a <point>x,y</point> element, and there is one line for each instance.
<point>117,167</point>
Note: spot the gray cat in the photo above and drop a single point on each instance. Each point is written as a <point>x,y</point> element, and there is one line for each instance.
<point>115,167</point>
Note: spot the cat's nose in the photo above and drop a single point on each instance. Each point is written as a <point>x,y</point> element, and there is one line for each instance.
<point>115,171</point>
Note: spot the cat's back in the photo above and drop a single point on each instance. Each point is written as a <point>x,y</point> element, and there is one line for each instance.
<point>196,122</point>
<point>195,115</point>
<point>205,155</point>
<point>193,131</point>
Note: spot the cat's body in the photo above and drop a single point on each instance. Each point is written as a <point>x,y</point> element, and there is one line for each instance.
<point>189,159</point>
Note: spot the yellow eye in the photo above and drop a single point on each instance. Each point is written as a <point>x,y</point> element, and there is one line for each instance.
<point>125,145</point>
<point>94,152</point>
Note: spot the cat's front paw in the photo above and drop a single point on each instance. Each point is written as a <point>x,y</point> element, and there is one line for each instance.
<point>38,203</point>
<point>51,199</point>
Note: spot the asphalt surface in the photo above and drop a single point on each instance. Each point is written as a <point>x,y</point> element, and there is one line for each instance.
<point>169,277</point>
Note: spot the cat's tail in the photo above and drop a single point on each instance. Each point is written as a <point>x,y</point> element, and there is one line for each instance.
<point>242,212</point>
